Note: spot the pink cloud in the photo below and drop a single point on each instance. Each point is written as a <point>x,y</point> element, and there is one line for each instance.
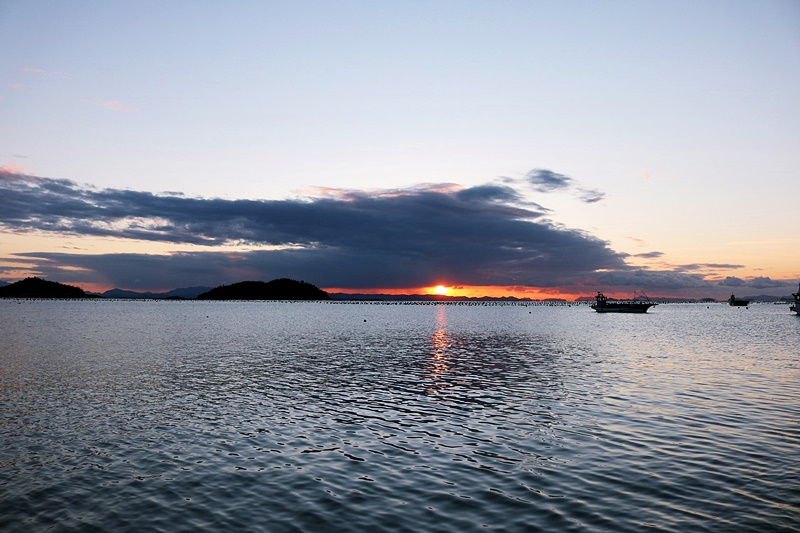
<point>111,105</point>
<point>12,167</point>
<point>353,194</point>
<point>47,73</point>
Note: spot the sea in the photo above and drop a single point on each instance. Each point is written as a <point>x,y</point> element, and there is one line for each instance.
<point>287,417</point>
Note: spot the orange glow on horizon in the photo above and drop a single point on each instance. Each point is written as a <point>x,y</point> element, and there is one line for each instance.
<point>462,291</point>
<point>98,288</point>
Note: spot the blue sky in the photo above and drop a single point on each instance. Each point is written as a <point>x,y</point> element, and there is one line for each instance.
<point>682,118</point>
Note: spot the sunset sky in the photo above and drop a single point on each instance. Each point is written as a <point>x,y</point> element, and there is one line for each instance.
<point>541,149</point>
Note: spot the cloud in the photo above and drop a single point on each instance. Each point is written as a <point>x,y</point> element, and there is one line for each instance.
<point>111,105</point>
<point>693,267</point>
<point>590,196</point>
<point>13,167</point>
<point>732,281</point>
<point>694,284</point>
<point>654,280</point>
<point>399,238</point>
<point>483,235</point>
<point>650,255</point>
<point>32,70</point>
<point>546,181</point>
<point>38,71</point>
<point>758,282</point>
<point>765,282</point>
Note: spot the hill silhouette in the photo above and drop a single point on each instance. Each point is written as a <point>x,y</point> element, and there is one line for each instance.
<point>277,289</point>
<point>185,293</point>
<point>40,288</point>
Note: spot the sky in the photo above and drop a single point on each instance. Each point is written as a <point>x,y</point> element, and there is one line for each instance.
<point>522,148</point>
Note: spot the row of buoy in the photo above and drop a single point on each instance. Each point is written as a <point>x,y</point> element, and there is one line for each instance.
<point>463,303</point>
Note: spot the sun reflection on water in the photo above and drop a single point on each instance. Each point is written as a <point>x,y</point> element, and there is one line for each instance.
<point>440,363</point>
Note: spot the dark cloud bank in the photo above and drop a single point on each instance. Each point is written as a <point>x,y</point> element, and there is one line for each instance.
<point>484,235</point>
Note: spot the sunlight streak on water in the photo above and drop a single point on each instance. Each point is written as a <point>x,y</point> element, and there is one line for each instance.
<point>180,416</point>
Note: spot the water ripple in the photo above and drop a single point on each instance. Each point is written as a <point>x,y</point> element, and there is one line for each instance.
<point>314,417</point>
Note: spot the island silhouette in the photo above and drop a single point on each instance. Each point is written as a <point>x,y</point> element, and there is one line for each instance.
<point>40,288</point>
<point>277,289</point>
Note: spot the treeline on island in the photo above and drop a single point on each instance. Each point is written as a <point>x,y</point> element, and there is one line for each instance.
<point>277,289</point>
<point>40,288</point>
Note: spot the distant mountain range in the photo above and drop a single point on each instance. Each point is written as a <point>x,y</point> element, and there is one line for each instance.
<point>185,292</point>
<point>766,298</point>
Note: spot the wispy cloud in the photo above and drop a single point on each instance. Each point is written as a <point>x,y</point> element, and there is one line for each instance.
<point>111,105</point>
<point>590,196</point>
<point>544,180</point>
<point>649,255</point>
<point>43,72</point>
<point>547,181</point>
<point>32,70</point>
<point>12,167</point>
<point>694,267</point>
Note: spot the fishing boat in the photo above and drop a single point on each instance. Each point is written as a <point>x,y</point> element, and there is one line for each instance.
<point>796,306</point>
<point>738,302</point>
<point>639,304</point>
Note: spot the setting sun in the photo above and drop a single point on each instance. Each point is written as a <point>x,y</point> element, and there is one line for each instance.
<point>440,289</point>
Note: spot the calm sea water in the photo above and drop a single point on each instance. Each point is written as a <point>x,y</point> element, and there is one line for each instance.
<point>305,417</point>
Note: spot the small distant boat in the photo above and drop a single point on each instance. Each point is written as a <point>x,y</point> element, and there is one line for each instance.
<point>639,304</point>
<point>738,302</point>
<point>796,306</point>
